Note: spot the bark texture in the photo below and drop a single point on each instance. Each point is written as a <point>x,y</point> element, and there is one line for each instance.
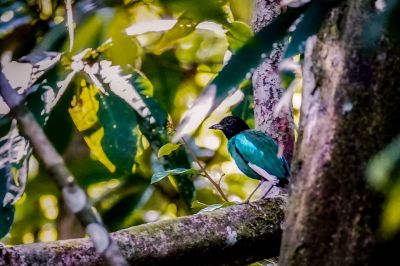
<point>266,85</point>
<point>236,235</point>
<point>350,111</point>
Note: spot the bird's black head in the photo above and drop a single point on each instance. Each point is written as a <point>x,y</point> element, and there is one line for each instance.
<point>230,126</point>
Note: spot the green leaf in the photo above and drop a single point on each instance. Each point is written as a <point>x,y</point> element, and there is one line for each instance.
<point>6,219</point>
<point>14,153</point>
<point>198,205</point>
<point>166,75</point>
<point>111,78</point>
<point>124,49</point>
<point>120,135</point>
<point>385,167</point>
<point>214,207</point>
<point>308,26</point>
<point>109,127</point>
<point>241,64</point>
<point>155,132</point>
<point>178,171</point>
<point>87,34</point>
<point>390,214</point>
<point>238,34</point>
<point>183,27</point>
<point>167,149</point>
<point>15,149</point>
<point>29,68</point>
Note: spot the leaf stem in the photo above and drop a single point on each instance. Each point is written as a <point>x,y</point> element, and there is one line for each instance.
<point>217,186</point>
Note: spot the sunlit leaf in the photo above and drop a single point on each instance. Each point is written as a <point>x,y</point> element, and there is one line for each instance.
<point>391,215</point>
<point>167,149</point>
<point>87,34</point>
<point>109,126</point>
<point>124,49</point>
<point>47,94</point>
<point>83,112</point>
<point>178,171</point>
<point>24,72</point>
<point>183,27</point>
<point>109,78</point>
<point>237,35</point>
<point>14,151</point>
<point>214,207</point>
<point>198,205</point>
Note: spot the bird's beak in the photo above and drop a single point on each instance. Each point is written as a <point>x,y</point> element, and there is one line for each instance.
<point>217,126</point>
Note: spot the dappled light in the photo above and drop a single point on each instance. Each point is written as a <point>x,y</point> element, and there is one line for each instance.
<point>218,118</point>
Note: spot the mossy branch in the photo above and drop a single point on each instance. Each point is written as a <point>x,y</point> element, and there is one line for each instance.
<point>236,235</point>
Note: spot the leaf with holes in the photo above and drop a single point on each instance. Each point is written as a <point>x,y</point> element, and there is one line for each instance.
<point>14,152</point>
<point>15,149</point>
<point>24,72</point>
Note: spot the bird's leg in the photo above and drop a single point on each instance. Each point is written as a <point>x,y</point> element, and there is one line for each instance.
<point>272,185</point>
<point>254,191</point>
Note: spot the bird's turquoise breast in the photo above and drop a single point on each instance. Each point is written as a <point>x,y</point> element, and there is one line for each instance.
<point>240,161</point>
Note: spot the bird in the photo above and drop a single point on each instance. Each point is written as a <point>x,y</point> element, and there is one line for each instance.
<point>255,153</point>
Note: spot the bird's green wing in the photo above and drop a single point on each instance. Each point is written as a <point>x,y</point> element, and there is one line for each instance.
<point>260,152</point>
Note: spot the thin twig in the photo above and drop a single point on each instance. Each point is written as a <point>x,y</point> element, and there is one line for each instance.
<point>220,179</point>
<point>204,170</point>
<point>74,196</point>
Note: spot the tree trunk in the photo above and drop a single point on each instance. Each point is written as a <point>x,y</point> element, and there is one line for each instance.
<point>350,110</point>
<point>266,85</point>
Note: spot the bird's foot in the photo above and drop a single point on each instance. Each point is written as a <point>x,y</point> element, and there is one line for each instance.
<point>246,201</point>
<point>271,192</point>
